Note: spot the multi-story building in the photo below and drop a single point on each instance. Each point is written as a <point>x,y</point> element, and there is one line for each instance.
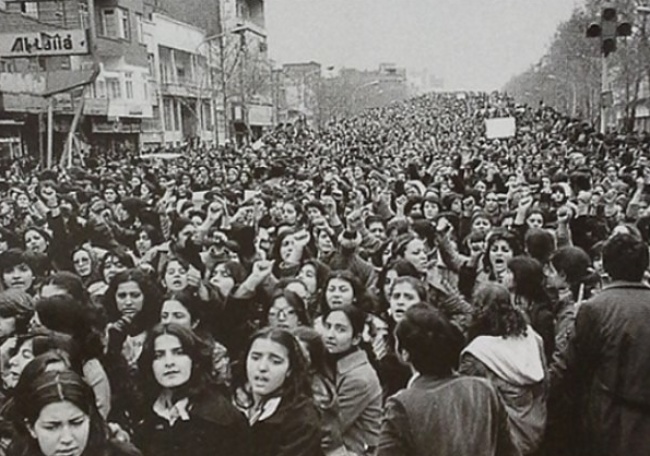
<point>120,99</point>
<point>181,83</point>
<point>236,50</point>
<point>301,85</point>
<point>246,73</point>
<point>114,65</point>
<point>156,71</point>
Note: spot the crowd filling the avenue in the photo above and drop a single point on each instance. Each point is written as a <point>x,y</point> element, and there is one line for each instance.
<point>393,284</point>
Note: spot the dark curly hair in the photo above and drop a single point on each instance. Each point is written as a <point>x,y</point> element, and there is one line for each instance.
<point>362,299</point>
<point>500,234</point>
<point>193,346</point>
<point>297,384</point>
<point>494,314</point>
<point>150,313</point>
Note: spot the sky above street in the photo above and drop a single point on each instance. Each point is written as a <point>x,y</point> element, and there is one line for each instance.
<point>472,44</point>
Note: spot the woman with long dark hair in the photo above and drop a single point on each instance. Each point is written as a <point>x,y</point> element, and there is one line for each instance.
<point>323,388</point>
<point>276,396</point>
<point>184,411</point>
<point>56,415</point>
<point>185,309</point>
<point>132,303</point>
<point>509,353</point>
<point>525,279</point>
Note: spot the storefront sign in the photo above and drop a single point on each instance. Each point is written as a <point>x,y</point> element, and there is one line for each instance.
<point>57,42</point>
<point>115,127</point>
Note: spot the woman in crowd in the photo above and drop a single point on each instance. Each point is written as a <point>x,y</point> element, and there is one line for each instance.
<point>86,264</point>
<point>323,389</point>
<point>524,278</point>
<point>63,314</point>
<point>288,252</point>
<point>224,277</point>
<point>275,395</point>
<point>112,263</point>
<point>357,385</point>
<point>508,352</point>
<point>147,237</point>
<point>175,274</point>
<point>343,288</point>
<point>313,274</point>
<point>501,247</point>
<point>183,411</point>
<point>132,304</point>
<point>56,415</point>
<point>287,310</point>
<point>19,270</point>
<point>405,292</point>
<point>184,309</point>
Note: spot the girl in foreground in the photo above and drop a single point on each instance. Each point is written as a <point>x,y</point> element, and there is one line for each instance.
<point>56,415</point>
<point>276,397</point>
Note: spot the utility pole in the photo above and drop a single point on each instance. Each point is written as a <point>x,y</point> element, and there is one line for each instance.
<point>608,30</point>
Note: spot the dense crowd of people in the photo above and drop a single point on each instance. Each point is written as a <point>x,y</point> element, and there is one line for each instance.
<point>393,284</point>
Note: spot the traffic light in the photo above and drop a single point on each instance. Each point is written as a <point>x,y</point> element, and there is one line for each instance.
<point>609,29</point>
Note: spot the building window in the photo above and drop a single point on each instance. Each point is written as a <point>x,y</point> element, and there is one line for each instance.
<point>83,15</point>
<point>100,89</point>
<point>29,9</point>
<point>177,123</point>
<point>155,112</point>
<point>113,88</point>
<point>139,27</point>
<point>151,62</point>
<point>206,116</point>
<point>128,85</point>
<point>126,26</point>
<point>115,23</point>
<point>168,107</point>
<point>7,66</point>
<point>109,23</point>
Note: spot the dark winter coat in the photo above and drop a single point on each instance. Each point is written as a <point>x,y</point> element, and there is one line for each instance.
<point>293,430</point>
<point>215,428</point>
<point>460,416</point>
<point>608,359</point>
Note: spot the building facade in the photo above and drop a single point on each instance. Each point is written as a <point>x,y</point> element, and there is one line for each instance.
<point>301,89</point>
<point>156,72</point>
<point>116,100</point>
<point>246,73</point>
<point>181,83</point>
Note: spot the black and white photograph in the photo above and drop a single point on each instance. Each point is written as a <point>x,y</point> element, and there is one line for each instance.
<point>324,227</point>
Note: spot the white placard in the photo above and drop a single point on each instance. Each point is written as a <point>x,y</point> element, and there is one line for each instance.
<point>503,127</point>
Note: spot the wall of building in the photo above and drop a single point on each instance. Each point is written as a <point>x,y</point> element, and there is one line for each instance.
<point>301,86</point>
<point>181,83</point>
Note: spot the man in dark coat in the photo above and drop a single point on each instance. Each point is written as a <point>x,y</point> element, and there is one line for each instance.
<point>609,359</point>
